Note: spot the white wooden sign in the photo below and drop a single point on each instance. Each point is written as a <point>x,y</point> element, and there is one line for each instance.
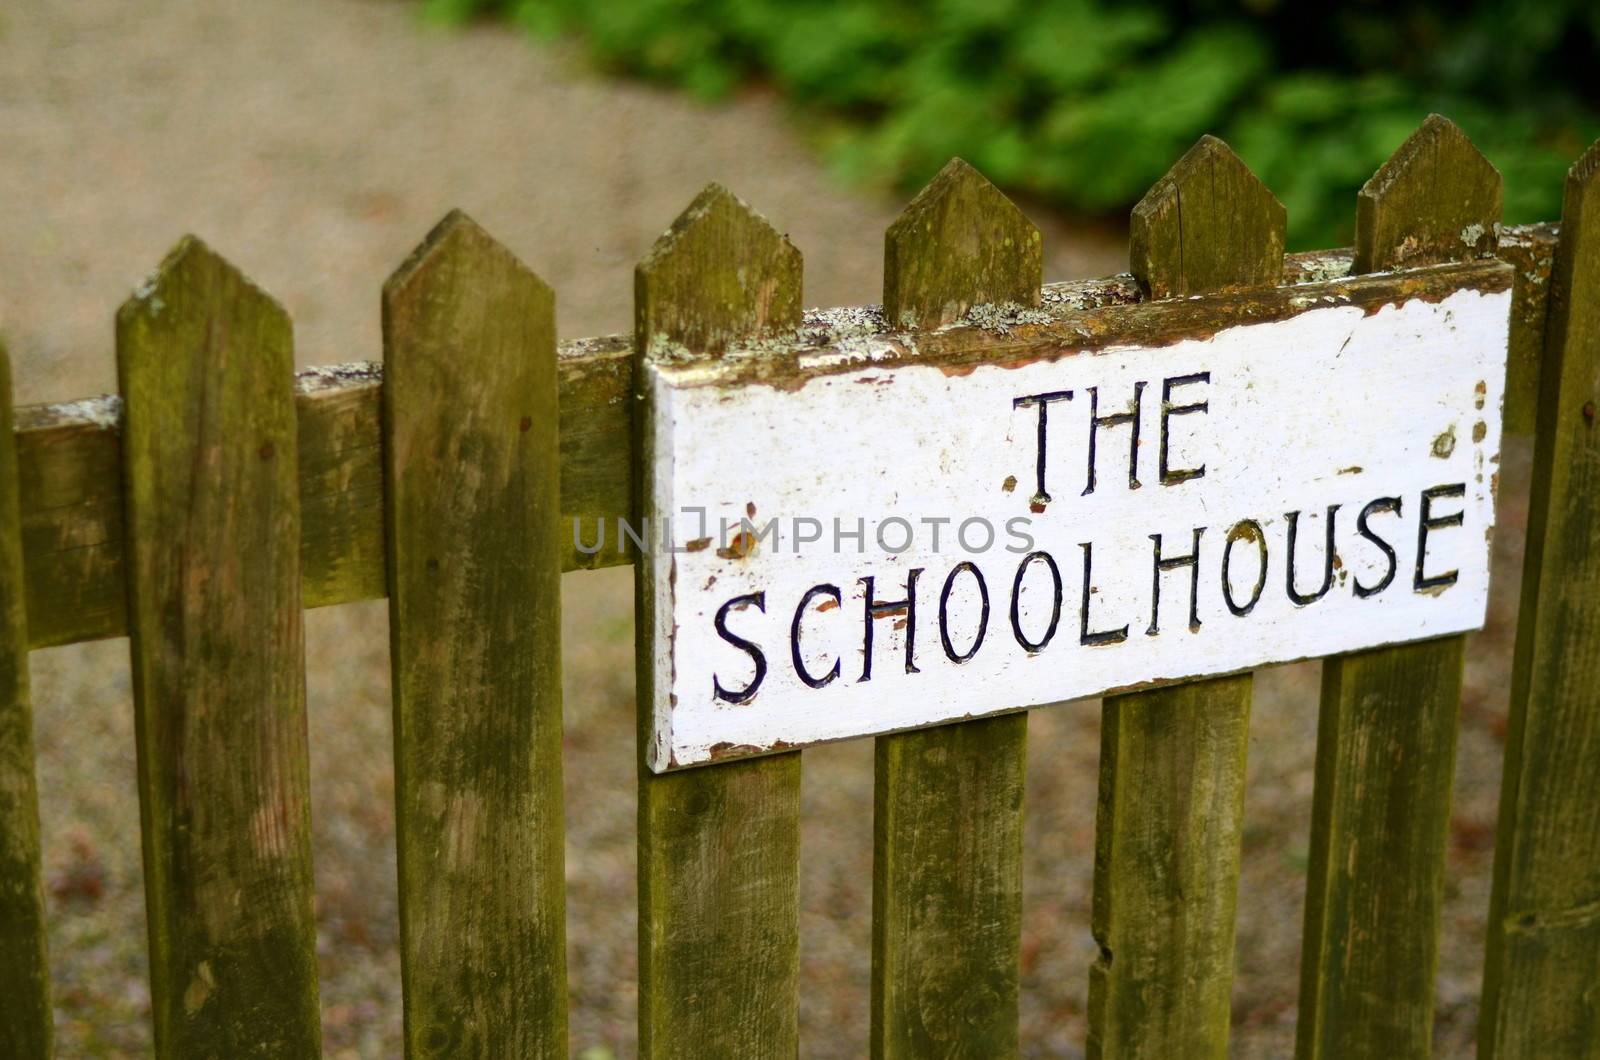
<point>874,543</point>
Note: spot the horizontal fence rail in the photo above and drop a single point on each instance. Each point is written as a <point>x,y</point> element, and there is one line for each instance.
<point>71,492</point>
<point>202,510</point>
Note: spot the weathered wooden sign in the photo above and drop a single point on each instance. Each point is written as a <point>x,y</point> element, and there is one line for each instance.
<point>892,531</point>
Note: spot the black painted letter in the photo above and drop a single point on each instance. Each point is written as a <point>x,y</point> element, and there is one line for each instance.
<point>1162,563</point>
<point>1115,419</point>
<point>944,612</point>
<point>877,609</point>
<point>1244,528</point>
<point>1171,476</point>
<point>1104,636</point>
<point>1420,581</point>
<point>794,635</point>
<point>1040,494</point>
<point>1302,599</point>
<point>747,693</point>
<point>1382,504</point>
<point>1016,602</point>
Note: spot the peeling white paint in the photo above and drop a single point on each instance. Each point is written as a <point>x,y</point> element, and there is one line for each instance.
<point>1332,406</point>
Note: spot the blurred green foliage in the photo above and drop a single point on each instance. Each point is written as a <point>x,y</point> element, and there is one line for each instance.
<point>1087,102</point>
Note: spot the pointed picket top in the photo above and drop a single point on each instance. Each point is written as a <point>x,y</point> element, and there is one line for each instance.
<point>1577,265</point>
<point>1583,185</point>
<point>458,252</point>
<point>720,273</point>
<point>958,244</point>
<point>190,271</point>
<point>205,362</point>
<point>1436,199</point>
<point>472,529</point>
<point>1209,224</point>
<point>1586,170</point>
<point>1538,984</point>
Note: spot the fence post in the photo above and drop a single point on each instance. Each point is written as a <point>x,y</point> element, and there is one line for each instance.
<point>25,1018</point>
<point>1387,734</point>
<point>947,865</point>
<point>719,846</point>
<point>1544,924</point>
<point>474,535</point>
<point>1172,761</point>
<point>206,366</point>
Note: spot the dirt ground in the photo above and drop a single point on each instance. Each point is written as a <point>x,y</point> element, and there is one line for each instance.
<point>314,142</point>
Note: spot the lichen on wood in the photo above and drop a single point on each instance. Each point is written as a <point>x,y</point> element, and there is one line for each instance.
<point>1387,735</point>
<point>26,1019</point>
<point>1544,916</point>
<point>69,454</point>
<point>1166,873</point>
<point>960,243</point>
<point>719,847</point>
<point>209,451</point>
<point>474,532</point>
<point>1435,199</point>
<point>946,930</point>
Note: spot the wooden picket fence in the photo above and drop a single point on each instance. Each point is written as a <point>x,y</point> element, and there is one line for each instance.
<point>220,494</point>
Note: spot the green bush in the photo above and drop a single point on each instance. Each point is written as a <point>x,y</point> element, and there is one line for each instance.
<point>1087,102</point>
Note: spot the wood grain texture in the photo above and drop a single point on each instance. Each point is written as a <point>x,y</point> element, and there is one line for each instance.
<point>947,889</point>
<point>69,455</point>
<point>1387,735</point>
<point>205,362</point>
<point>958,244</point>
<point>719,847</point>
<point>1369,953</point>
<point>1172,762</point>
<point>25,1017</point>
<point>474,532</point>
<point>1539,996</point>
<point>1207,225</point>
<point>1436,199</point>
<point>947,825</point>
<point>1166,869</point>
<point>720,273</point>
<point>1530,249</point>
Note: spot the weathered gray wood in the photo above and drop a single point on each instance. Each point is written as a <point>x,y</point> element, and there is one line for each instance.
<point>1207,225</point>
<point>947,889</point>
<point>1167,868</point>
<point>947,862</point>
<point>69,455</point>
<point>1369,950</point>
<point>206,362</point>
<point>719,274</point>
<point>958,244</point>
<point>719,847</point>
<point>1436,199</point>
<point>1539,996</point>
<point>1530,249</point>
<point>474,534</point>
<point>1387,736</point>
<point>26,1028</point>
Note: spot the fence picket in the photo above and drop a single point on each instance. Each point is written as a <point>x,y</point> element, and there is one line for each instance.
<point>1387,735</point>
<point>1172,761</point>
<point>205,361</point>
<point>719,846</point>
<point>25,1017</point>
<point>220,497</point>
<point>72,490</point>
<point>947,865</point>
<point>1544,924</point>
<point>474,532</point>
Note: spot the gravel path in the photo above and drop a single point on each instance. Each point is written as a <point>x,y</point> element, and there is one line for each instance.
<point>314,143</point>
